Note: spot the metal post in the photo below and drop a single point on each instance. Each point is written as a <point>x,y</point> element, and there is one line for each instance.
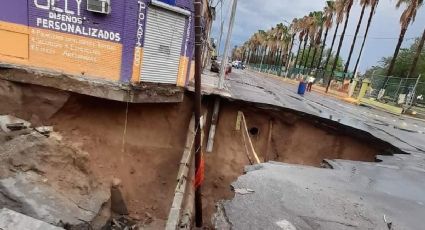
<point>224,60</point>
<point>262,60</point>
<point>221,28</point>
<point>398,89</point>
<point>372,79</point>
<point>221,36</point>
<point>414,91</point>
<point>198,66</point>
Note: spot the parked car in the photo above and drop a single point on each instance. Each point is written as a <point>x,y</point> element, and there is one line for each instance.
<point>241,66</point>
<point>216,64</point>
<point>238,65</point>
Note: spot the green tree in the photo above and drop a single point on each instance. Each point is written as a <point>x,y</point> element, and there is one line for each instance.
<point>407,17</point>
<point>417,55</point>
<point>403,65</point>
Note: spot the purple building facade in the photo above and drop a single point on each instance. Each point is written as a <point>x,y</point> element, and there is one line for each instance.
<point>128,41</point>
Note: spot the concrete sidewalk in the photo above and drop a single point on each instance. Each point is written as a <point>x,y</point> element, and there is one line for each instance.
<point>209,81</point>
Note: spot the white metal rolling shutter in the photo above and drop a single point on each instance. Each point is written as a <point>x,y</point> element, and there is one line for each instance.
<point>163,43</point>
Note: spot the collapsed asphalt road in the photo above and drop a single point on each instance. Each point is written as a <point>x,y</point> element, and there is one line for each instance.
<point>388,194</point>
<point>405,133</point>
<point>354,195</point>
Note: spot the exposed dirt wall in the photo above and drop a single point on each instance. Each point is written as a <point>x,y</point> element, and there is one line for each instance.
<point>226,162</point>
<point>304,140</point>
<point>154,142</point>
<point>30,102</point>
<point>295,139</point>
<point>148,162</point>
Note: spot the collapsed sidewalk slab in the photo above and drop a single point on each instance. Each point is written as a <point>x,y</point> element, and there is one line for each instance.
<point>11,220</point>
<point>27,192</point>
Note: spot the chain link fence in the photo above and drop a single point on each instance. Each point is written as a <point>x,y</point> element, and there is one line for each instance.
<point>403,92</point>
<point>340,81</point>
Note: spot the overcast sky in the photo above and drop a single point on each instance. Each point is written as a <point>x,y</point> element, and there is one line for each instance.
<point>253,15</point>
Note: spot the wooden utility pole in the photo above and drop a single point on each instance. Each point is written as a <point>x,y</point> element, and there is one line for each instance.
<point>198,147</point>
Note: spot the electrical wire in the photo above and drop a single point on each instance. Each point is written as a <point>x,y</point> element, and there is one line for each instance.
<point>377,38</point>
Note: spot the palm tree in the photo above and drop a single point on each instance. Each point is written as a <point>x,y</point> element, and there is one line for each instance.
<point>417,55</point>
<point>237,53</point>
<point>263,40</point>
<point>363,3</point>
<point>312,29</point>
<point>257,42</point>
<point>300,37</point>
<point>246,51</point>
<point>252,49</point>
<point>287,42</point>
<point>282,43</point>
<point>408,16</point>
<point>329,12</point>
<point>319,20</point>
<point>293,30</point>
<point>306,27</point>
<point>271,45</point>
<point>346,6</point>
<point>290,54</point>
<point>339,11</point>
<point>373,4</point>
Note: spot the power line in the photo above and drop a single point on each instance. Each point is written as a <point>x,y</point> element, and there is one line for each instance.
<point>218,2</point>
<point>377,38</point>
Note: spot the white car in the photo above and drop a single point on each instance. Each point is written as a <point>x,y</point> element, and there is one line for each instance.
<point>235,63</point>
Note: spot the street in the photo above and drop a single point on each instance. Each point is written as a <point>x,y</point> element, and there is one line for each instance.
<point>406,133</point>
<point>353,195</point>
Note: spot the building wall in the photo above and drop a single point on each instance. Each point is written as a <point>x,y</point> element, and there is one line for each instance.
<point>62,36</point>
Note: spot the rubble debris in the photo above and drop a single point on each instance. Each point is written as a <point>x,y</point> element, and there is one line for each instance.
<point>10,123</point>
<point>286,225</point>
<point>220,219</point>
<point>243,191</point>
<point>16,126</point>
<point>118,204</point>
<point>11,220</point>
<point>123,223</point>
<point>41,201</point>
<point>44,130</point>
<point>46,179</point>
<point>389,224</point>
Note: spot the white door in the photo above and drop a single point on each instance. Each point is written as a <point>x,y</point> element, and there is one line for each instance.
<point>163,44</point>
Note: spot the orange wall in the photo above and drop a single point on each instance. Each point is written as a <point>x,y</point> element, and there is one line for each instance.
<point>59,52</point>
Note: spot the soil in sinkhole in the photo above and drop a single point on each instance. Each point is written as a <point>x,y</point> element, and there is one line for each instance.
<point>155,137</point>
<point>295,139</point>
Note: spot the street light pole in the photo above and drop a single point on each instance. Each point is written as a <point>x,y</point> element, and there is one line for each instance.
<point>224,60</point>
